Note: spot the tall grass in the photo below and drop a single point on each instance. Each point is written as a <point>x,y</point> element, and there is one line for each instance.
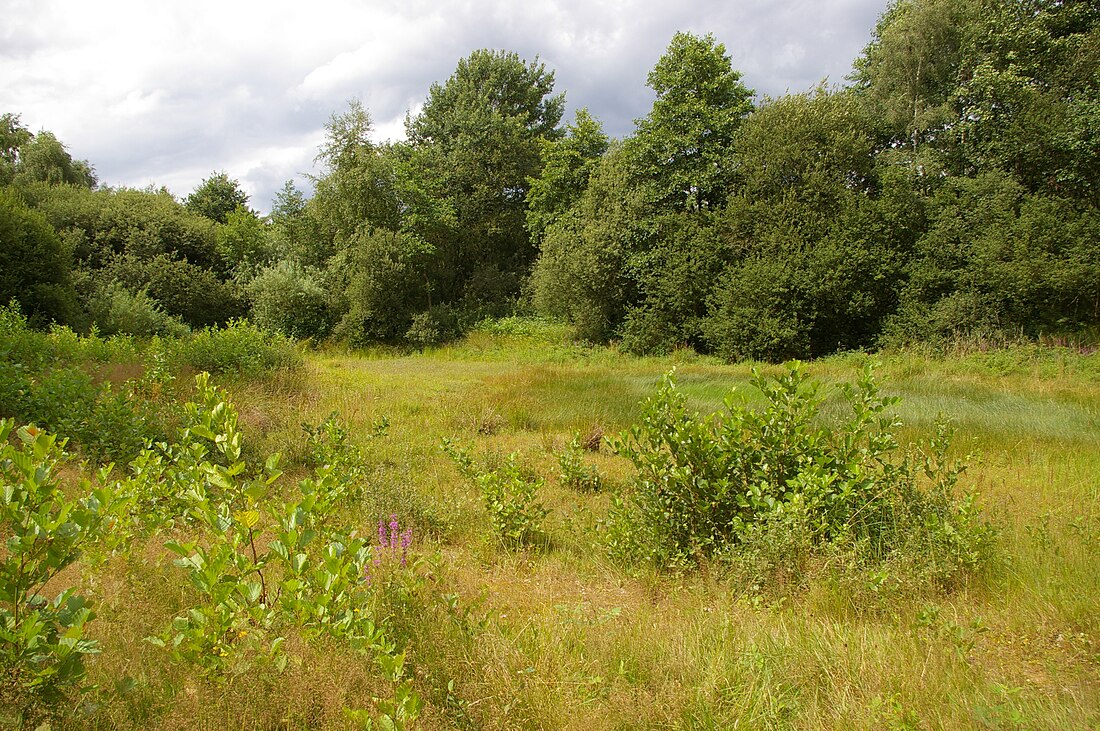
<point>558,637</point>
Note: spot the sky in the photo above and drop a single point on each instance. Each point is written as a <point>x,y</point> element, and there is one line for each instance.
<point>165,93</point>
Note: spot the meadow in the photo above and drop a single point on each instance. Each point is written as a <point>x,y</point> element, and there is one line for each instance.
<point>469,628</point>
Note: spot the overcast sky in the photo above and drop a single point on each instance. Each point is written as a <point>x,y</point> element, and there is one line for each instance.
<point>166,92</point>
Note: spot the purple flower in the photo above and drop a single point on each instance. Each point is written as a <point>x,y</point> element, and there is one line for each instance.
<point>406,541</point>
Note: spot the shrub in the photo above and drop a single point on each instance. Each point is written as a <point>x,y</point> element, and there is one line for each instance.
<point>511,497</point>
<point>292,300</point>
<point>240,347</point>
<point>42,641</point>
<point>432,327</point>
<point>705,485</point>
<point>574,472</point>
<point>34,265</point>
<point>510,493</point>
<point>181,288</point>
<point>114,309</point>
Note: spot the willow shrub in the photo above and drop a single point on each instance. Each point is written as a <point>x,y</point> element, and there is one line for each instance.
<point>709,487</point>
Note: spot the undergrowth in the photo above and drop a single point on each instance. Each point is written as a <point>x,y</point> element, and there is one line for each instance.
<point>771,487</point>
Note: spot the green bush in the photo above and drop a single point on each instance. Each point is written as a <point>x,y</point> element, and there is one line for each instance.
<point>292,300</point>
<point>706,485</point>
<point>42,641</point>
<point>510,492</point>
<point>240,347</point>
<point>432,327</point>
<point>193,294</point>
<point>511,496</point>
<point>116,310</point>
<point>34,265</point>
<point>996,261</point>
<point>41,381</point>
<point>575,473</point>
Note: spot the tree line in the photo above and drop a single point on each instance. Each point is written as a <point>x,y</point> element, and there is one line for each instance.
<point>950,189</point>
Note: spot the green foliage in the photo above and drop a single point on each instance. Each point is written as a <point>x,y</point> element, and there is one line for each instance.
<point>42,641</point>
<point>358,191</point>
<point>329,446</point>
<point>814,261</point>
<point>574,472</point>
<point>509,491</point>
<point>682,149</point>
<point>243,244</point>
<point>473,148</point>
<point>240,347</point>
<point>673,277</point>
<point>386,286</point>
<point>115,310</point>
<point>140,223</point>
<point>291,299</point>
<point>567,164</point>
<point>195,295</point>
<point>581,275</point>
<point>41,381</point>
<point>708,487</point>
<point>997,261</point>
<point>13,135</point>
<point>432,327</point>
<point>241,612</point>
<point>107,424</point>
<point>910,67</point>
<point>1028,96</point>
<point>34,266</point>
<point>216,198</point>
<point>41,158</point>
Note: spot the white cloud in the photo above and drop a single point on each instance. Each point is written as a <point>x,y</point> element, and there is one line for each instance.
<point>167,92</point>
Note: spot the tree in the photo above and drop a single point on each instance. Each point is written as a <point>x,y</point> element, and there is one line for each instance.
<point>582,275</point>
<point>478,140</point>
<point>13,135</point>
<point>356,191</point>
<point>1028,101</point>
<point>243,244</point>
<point>997,260</point>
<point>216,197</point>
<point>911,67</point>
<point>815,244</point>
<point>567,164</point>
<point>29,158</point>
<point>34,267</point>
<point>682,148</point>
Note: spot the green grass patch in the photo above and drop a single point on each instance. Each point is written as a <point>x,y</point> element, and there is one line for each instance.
<point>553,634</point>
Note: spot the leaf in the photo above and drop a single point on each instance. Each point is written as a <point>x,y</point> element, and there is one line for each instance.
<point>247,518</point>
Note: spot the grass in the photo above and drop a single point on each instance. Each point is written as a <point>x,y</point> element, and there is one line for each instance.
<point>556,637</point>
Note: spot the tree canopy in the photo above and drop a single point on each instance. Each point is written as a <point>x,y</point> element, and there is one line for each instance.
<point>949,190</point>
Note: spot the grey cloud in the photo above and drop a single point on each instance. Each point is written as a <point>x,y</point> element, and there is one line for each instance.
<point>217,98</point>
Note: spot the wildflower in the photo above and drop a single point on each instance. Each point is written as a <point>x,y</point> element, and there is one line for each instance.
<point>382,533</point>
<point>406,541</point>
